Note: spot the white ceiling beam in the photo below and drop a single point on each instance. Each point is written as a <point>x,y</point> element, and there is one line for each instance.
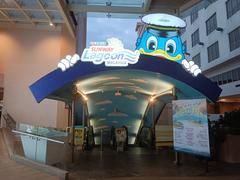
<point>147,4</point>
<point>23,12</point>
<point>7,17</point>
<point>106,9</point>
<point>45,12</point>
<point>29,26</point>
<point>117,9</point>
<point>62,7</point>
<point>27,9</point>
<point>34,20</point>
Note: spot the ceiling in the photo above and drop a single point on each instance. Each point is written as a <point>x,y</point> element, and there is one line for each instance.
<point>51,14</point>
<point>119,98</point>
<point>122,97</point>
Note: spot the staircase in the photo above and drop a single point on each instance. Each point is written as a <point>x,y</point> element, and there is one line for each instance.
<point>11,170</point>
<point>164,128</point>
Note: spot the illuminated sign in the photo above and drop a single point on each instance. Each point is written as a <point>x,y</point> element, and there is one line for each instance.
<point>161,38</point>
<point>112,54</point>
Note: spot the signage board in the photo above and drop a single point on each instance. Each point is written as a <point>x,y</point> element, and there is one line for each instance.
<point>190,126</point>
<point>78,136</point>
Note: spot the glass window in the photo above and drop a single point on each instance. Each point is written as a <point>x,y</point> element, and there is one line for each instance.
<point>215,79</point>
<point>220,79</point>
<point>213,52</point>
<point>194,15</point>
<point>235,74</point>
<point>224,78</point>
<point>238,73</point>
<point>211,24</point>
<point>229,76</point>
<point>234,39</point>
<point>232,7</point>
<point>185,44</point>
<point>197,59</point>
<point>195,38</point>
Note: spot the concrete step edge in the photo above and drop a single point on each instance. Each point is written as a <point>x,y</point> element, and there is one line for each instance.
<point>62,174</point>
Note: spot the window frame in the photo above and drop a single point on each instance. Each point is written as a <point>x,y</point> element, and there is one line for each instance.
<point>199,59</point>
<point>193,16</point>
<point>211,23</point>
<point>230,8</point>
<point>195,40</point>
<point>210,50</point>
<point>234,34</point>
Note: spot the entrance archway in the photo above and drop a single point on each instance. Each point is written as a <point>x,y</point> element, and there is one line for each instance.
<point>118,96</point>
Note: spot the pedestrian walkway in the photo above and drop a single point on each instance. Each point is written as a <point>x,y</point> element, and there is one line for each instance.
<point>140,164</point>
<point>11,170</point>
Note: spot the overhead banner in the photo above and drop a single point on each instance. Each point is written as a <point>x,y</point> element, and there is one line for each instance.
<point>190,126</point>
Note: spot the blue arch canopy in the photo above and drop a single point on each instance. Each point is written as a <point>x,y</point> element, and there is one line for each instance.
<point>55,80</point>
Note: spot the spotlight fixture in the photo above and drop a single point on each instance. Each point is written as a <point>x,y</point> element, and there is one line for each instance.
<point>85,98</point>
<point>152,99</point>
<point>51,24</point>
<point>83,95</point>
<point>201,43</point>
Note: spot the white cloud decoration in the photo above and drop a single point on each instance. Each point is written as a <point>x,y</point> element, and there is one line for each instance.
<point>191,67</point>
<point>115,42</point>
<point>68,62</point>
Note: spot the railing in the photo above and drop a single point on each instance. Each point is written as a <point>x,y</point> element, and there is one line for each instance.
<point>37,137</point>
<point>9,121</point>
<point>48,146</point>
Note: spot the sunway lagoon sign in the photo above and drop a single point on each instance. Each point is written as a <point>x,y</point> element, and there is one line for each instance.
<point>112,54</point>
<point>160,38</point>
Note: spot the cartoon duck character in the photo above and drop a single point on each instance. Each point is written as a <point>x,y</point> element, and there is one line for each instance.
<point>161,38</point>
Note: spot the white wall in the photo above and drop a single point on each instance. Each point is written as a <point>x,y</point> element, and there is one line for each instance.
<point>26,56</point>
<point>221,64</point>
<point>222,37</point>
<point>230,89</point>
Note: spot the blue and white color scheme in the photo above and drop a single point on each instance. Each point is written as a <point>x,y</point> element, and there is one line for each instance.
<point>159,50</point>
<point>190,126</point>
<point>161,38</point>
<point>111,53</point>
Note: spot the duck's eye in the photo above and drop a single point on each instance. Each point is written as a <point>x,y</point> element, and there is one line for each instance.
<point>152,43</point>
<point>170,46</point>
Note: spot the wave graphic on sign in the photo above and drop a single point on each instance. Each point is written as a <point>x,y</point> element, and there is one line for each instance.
<point>110,55</point>
<point>131,57</point>
<point>113,55</point>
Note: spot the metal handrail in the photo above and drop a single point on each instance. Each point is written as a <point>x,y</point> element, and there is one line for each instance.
<point>40,137</point>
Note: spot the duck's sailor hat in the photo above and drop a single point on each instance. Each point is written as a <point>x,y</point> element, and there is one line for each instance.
<point>163,22</point>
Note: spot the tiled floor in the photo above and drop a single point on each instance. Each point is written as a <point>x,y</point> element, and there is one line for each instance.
<point>141,164</point>
<point>135,164</point>
<point>10,170</point>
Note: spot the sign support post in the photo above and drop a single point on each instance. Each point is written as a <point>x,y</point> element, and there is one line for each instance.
<point>73,129</point>
<point>177,154</point>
